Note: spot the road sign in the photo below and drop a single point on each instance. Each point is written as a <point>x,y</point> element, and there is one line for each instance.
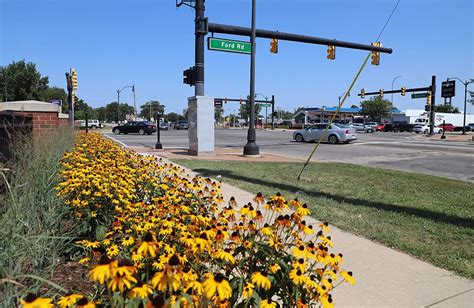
<point>265,105</point>
<point>419,95</point>
<point>58,102</point>
<point>229,45</point>
<point>448,88</point>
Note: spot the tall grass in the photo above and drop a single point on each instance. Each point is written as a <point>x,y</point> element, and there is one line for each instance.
<point>33,234</point>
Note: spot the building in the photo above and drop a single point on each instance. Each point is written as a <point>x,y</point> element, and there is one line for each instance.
<point>324,114</point>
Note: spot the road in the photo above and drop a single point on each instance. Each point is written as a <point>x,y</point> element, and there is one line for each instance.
<point>400,151</point>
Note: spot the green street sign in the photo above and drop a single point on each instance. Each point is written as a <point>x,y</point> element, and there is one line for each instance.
<point>229,45</point>
<point>265,105</point>
<point>419,95</point>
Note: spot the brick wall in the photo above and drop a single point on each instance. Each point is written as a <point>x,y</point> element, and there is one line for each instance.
<point>43,121</point>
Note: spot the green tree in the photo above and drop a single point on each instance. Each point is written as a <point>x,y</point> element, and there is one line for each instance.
<point>53,93</point>
<point>112,108</point>
<point>218,111</point>
<point>354,106</point>
<point>375,108</point>
<point>151,108</point>
<point>245,110</point>
<point>23,82</point>
<point>173,117</point>
<point>446,109</point>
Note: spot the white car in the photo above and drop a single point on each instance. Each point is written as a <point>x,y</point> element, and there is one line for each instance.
<point>334,134</point>
<point>425,129</point>
<point>92,124</point>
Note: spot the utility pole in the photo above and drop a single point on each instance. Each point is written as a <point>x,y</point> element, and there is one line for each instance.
<point>134,103</point>
<point>432,109</point>
<point>118,107</point>
<point>273,112</point>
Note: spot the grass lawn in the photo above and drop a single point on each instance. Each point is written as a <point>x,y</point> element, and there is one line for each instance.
<point>426,216</point>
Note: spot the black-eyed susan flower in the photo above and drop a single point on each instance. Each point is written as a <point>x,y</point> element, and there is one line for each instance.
<point>217,284</point>
<point>303,210</point>
<point>348,277</point>
<point>148,247</point>
<point>261,280</point>
<point>103,271</point>
<point>157,302</point>
<point>121,280</point>
<point>274,268</point>
<point>247,291</point>
<point>326,301</point>
<point>68,300</point>
<point>34,301</point>
<point>112,250</point>
<point>267,303</point>
<point>140,291</point>
<point>128,241</point>
<point>297,276</point>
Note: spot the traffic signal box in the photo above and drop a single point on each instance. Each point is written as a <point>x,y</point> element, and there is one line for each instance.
<point>274,46</point>
<point>74,79</point>
<point>428,102</point>
<point>189,76</point>
<point>381,92</point>
<point>404,91</point>
<point>331,52</point>
<point>376,54</point>
<point>362,93</point>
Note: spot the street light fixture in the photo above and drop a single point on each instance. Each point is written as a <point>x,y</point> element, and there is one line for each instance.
<point>342,95</point>
<point>118,100</point>
<point>465,83</point>
<point>391,99</point>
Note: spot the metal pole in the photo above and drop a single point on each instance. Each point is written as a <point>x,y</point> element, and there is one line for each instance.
<point>273,112</point>
<point>158,144</point>
<point>87,123</point>
<point>391,100</point>
<point>69,100</point>
<point>444,128</point>
<point>432,109</point>
<point>251,148</point>
<point>134,104</point>
<point>465,101</point>
<point>118,107</point>
<point>199,49</point>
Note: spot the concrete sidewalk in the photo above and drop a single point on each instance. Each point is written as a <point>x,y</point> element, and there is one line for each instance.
<point>384,277</point>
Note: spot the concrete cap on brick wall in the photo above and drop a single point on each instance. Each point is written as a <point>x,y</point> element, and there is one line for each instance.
<point>30,106</point>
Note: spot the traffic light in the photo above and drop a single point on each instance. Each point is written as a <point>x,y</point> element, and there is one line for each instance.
<point>404,91</point>
<point>376,54</point>
<point>362,93</point>
<point>428,98</point>
<point>274,46</point>
<point>381,92</point>
<point>331,52</point>
<point>189,76</point>
<point>427,107</point>
<point>75,102</point>
<point>225,100</point>
<point>74,79</point>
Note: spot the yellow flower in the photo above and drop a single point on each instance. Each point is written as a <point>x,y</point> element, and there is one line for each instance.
<point>112,251</point>
<point>297,276</point>
<point>148,247</point>
<point>348,277</point>
<point>84,303</point>
<point>224,255</point>
<point>274,268</point>
<point>247,291</point>
<point>141,291</point>
<point>84,260</point>
<point>326,301</point>
<point>267,303</point>
<point>68,300</point>
<point>120,281</point>
<point>127,241</point>
<point>33,301</point>
<point>261,280</point>
<point>102,271</point>
<point>218,284</point>
<point>303,210</point>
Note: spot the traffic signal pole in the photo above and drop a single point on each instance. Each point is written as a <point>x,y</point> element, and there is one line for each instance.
<point>199,50</point>
<point>432,109</point>
<point>69,100</point>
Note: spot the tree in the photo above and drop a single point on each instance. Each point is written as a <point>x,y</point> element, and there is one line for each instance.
<point>446,109</point>
<point>53,93</point>
<point>173,117</point>
<point>151,108</point>
<point>218,111</point>
<point>23,82</point>
<point>245,110</point>
<point>375,108</point>
<point>354,106</point>
<point>111,111</point>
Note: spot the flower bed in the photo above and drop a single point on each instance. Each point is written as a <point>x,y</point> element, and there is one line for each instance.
<point>155,236</point>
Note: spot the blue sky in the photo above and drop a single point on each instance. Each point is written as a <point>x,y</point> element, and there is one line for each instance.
<point>113,43</point>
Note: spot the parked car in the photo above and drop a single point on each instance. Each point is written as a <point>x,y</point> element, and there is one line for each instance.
<point>333,135</point>
<point>398,126</point>
<point>164,126</point>
<point>360,127</point>
<point>447,127</point>
<point>471,125</point>
<point>425,129</point>
<point>459,128</point>
<point>92,124</point>
<point>380,127</point>
<point>371,124</point>
<point>140,127</point>
<point>181,125</point>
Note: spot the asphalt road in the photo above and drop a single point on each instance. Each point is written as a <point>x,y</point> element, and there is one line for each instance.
<point>400,151</point>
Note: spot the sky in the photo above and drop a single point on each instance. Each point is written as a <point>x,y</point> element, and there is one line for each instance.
<point>148,43</point>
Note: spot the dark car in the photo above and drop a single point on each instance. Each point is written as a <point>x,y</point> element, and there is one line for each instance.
<point>140,127</point>
<point>398,126</point>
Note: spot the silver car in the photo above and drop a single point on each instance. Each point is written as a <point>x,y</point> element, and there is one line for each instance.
<point>360,127</point>
<point>333,135</point>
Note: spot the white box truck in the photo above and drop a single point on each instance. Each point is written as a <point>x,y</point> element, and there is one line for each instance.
<point>452,118</point>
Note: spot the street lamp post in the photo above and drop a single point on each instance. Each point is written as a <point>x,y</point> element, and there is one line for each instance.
<point>465,83</point>
<point>158,144</point>
<point>118,100</point>
<point>391,99</point>
<point>342,95</point>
